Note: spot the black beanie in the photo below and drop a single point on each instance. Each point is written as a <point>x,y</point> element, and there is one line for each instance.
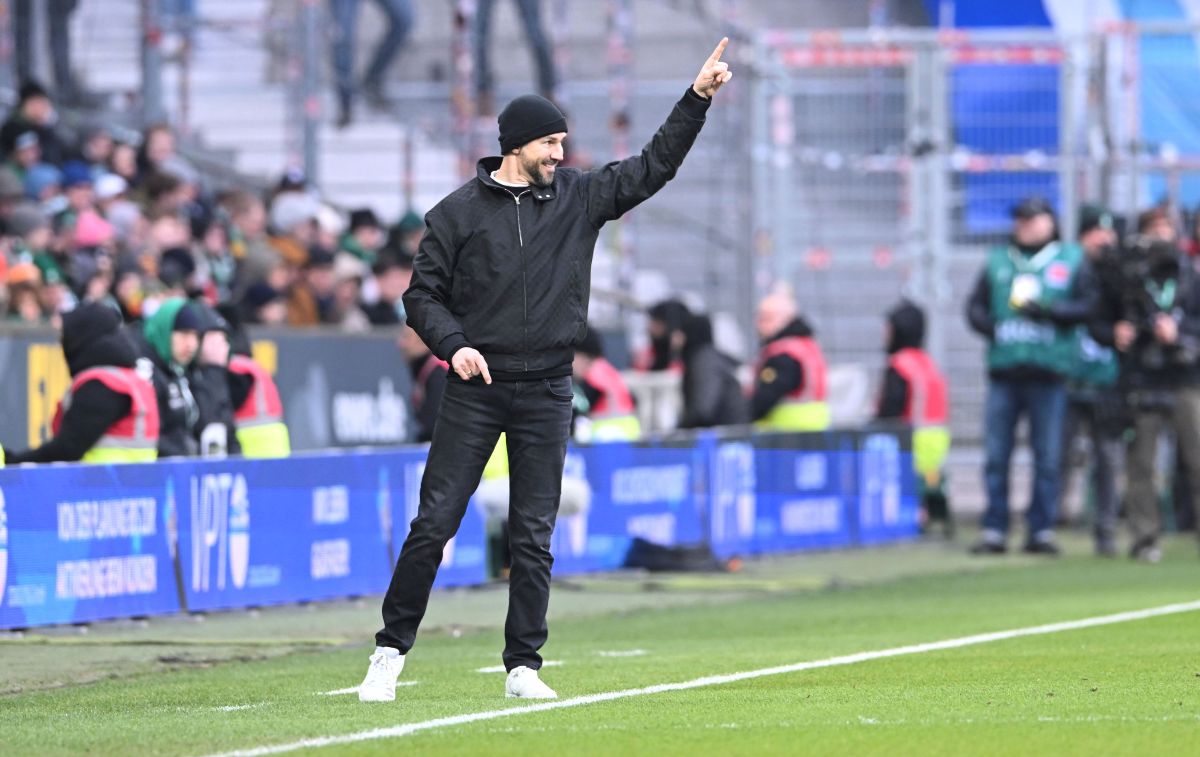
<point>527,118</point>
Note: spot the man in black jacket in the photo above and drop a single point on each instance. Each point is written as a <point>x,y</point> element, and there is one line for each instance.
<point>91,338</point>
<point>500,291</point>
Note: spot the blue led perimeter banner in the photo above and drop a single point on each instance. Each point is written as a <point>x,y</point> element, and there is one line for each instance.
<point>81,543</point>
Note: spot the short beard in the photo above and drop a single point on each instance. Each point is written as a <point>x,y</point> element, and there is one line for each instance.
<point>533,172</point>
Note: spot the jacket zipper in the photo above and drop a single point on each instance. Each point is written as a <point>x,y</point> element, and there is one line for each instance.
<point>524,282</point>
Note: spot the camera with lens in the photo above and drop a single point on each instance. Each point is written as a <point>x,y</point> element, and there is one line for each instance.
<point>1144,274</point>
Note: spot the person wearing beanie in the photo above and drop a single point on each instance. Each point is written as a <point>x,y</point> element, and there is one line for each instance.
<point>34,113</point>
<point>500,290</point>
<point>914,393</point>
<point>110,413</point>
<point>170,339</point>
<point>212,385</point>
<point>365,236</point>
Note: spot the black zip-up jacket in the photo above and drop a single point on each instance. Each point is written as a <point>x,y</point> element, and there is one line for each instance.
<point>779,376</point>
<point>508,270</point>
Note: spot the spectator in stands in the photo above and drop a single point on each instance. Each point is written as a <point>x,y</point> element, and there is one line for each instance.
<point>12,191</point>
<point>539,46</point>
<point>346,311</point>
<point>248,242</point>
<point>393,272</point>
<point>210,381</point>
<point>399,14</point>
<point>265,305</point>
<point>109,414</point>
<point>665,327</point>
<point>80,196</point>
<point>25,154</point>
<point>790,378</point>
<point>429,381</point>
<point>914,392</point>
<point>215,264</point>
<point>170,339</point>
<point>43,185</point>
<point>123,162</point>
<point>96,149</point>
<point>310,299</point>
<point>1026,303</point>
<point>1094,404</point>
<point>30,232</point>
<point>712,395</point>
<point>609,410</point>
<point>58,19</point>
<point>1156,337</point>
<point>365,237</point>
<point>24,295</point>
<point>405,235</point>
<point>165,194</point>
<point>159,155</point>
<point>293,217</point>
<point>34,113</point>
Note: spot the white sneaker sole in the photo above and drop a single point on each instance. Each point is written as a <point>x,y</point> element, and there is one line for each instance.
<point>376,698</point>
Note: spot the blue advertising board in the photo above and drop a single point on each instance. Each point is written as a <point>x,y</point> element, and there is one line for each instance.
<point>887,500</point>
<point>262,532</point>
<point>81,543</point>
<point>464,560</point>
<point>782,492</point>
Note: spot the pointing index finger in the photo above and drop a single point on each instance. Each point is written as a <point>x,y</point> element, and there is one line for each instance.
<point>716,54</point>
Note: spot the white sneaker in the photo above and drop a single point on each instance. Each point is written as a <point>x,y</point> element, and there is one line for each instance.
<point>380,683</point>
<point>523,682</point>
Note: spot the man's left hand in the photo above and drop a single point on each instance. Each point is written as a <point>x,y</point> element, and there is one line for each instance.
<point>714,73</point>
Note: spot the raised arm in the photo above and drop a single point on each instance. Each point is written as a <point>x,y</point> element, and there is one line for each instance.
<point>618,187</point>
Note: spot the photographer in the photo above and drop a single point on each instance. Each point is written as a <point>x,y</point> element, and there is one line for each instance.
<point>1149,311</point>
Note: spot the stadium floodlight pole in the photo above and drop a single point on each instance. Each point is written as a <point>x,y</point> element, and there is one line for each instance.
<point>152,85</point>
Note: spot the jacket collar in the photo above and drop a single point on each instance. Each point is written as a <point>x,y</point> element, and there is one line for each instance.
<point>483,172</point>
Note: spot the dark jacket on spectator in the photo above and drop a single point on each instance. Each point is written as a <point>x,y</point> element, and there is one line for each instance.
<point>213,389</point>
<point>177,408</point>
<point>712,395</point>
<point>92,337</point>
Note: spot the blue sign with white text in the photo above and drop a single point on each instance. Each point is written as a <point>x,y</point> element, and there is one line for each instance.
<point>81,543</point>
<point>270,531</point>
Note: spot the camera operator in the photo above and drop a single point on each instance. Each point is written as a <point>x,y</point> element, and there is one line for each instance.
<point>1149,311</point>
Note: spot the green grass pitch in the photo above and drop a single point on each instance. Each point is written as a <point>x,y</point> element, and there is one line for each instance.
<point>249,680</point>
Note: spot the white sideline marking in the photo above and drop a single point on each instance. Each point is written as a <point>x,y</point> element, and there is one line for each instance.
<point>622,653</point>
<point>500,668</point>
<point>696,683</point>
<point>354,689</point>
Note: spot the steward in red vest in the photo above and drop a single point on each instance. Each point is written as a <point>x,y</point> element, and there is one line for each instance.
<point>790,378</point>
<point>110,414</point>
<point>914,391</point>
<point>261,431</point>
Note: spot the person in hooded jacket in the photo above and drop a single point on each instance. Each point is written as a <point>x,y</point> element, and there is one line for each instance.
<point>789,389</point>
<point>212,386</point>
<point>664,327</point>
<point>170,339</point>
<point>109,414</point>
<point>712,395</point>
<point>914,392</point>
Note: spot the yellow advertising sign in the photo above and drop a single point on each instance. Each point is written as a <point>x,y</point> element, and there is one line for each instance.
<point>49,380</point>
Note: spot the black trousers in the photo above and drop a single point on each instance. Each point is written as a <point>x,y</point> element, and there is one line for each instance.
<point>536,415</point>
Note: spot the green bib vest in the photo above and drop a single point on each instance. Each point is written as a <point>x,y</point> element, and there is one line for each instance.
<point>1047,277</point>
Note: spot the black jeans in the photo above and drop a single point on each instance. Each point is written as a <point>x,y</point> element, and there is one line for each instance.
<point>536,415</point>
